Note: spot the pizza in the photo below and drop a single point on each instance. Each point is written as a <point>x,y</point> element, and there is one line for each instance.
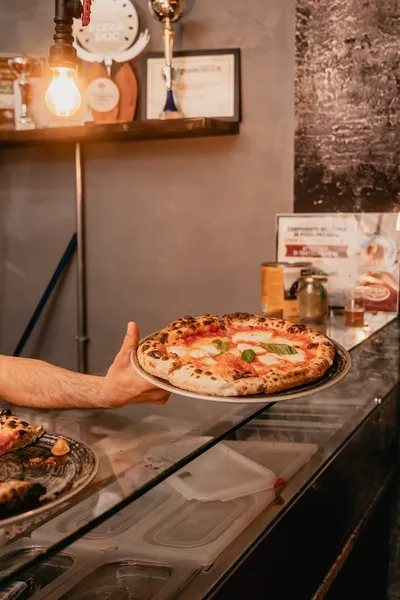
<point>239,355</point>
<point>19,496</point>
<point>15,433</point>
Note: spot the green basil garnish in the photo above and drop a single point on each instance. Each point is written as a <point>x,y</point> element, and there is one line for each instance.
<point>248,355</point>
<point>221,345</point>
<point>279,348</point>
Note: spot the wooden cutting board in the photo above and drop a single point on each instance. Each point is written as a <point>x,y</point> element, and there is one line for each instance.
<point>126,81</point>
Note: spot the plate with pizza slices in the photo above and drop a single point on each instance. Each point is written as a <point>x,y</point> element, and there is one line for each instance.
<point>38,471</point>
<point>240,358</point>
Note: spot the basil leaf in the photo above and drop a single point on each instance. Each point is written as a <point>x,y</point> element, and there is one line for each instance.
<point>279,348</point>
<point>248,355</point>
<point>221,345</point>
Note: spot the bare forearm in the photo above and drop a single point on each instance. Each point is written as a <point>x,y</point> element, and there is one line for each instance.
<point>33,383</point>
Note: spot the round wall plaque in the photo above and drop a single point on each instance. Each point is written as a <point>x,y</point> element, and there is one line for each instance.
<point>103,94</point>
<point>113,28</point>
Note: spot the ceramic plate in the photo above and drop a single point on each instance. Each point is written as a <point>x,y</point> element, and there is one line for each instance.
<point>63,480</point>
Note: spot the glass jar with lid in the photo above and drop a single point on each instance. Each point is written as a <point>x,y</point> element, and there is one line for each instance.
<point>312,298</point>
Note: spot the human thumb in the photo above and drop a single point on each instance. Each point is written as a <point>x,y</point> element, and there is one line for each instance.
<point>131,339</point>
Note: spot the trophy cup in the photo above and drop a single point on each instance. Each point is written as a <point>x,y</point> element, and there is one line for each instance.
<point>21,67</point>
<point>168,12</point>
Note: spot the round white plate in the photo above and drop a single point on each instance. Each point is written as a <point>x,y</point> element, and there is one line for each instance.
<point>340,368</point>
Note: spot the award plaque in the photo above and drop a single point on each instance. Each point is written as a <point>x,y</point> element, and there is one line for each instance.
<point>107,45</point>
<point>168,12</point>
<point>207,84</point>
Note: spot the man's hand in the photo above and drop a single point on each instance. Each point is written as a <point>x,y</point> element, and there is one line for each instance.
<point>122,385</point>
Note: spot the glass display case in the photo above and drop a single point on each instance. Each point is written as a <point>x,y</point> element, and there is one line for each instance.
<point>184,491</point>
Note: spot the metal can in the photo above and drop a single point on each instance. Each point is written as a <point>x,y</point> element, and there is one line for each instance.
<point>272,289</point>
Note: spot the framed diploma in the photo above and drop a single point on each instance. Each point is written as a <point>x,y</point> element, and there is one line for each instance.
<point>206,84</point>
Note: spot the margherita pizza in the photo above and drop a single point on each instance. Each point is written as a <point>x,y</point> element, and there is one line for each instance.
<point>238,355</point>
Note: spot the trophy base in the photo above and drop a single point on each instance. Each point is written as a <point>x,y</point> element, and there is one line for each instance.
<point>169,115</point>
<point>24,125</point>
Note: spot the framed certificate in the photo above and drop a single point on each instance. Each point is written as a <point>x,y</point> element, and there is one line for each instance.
<point>207,84</point>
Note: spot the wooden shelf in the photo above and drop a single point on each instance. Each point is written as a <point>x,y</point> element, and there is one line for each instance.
<point>137,130</point>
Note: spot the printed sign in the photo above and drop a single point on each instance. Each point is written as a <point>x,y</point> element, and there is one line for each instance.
<point>112,33</point>
<point>352,249</point>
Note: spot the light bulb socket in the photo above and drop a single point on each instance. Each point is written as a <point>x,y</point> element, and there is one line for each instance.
<point>62,52</point>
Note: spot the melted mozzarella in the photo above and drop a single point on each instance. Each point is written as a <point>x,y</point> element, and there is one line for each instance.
<point>234,351</point>
<point>256,336</point>
<point>208,348</point>
<point>269,359</point>
<point>197,353</point>
<point>256,349</point>
<point>179,350</point>
<point>299,357</point>
<point>208,361</point>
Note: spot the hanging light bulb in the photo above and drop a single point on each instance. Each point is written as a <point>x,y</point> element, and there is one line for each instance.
<point>63,96</point>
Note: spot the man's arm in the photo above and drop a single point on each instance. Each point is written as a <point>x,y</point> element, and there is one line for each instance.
<point>34,383</point>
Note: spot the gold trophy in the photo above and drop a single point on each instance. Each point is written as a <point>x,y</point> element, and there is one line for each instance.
<point>22,67</point>
<point>168,12</point>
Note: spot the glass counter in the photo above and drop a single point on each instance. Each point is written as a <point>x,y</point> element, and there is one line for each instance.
<point>178,484</point>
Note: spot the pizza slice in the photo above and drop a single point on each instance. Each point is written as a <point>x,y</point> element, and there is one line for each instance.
<point>19,496</point>
<point>14,433</point>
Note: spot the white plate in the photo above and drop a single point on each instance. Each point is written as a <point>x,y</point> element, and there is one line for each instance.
<point>340,368</point>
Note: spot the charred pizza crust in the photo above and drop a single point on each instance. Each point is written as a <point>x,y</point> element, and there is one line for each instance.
<point>19,496</point>
<point>229,375</point>
<point>187,326</point>
<point>202,381</point>
<point>14,433</point>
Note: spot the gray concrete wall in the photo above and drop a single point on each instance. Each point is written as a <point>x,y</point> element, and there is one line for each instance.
<point>347,141</point>
<point>173,227</point>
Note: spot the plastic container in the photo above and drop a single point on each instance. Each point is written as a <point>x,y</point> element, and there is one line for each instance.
<point>107,534</point>
<point>121,576</point>
<point>34,579</point>
<point>193,530</point>
<point>198,523</point>
<point>120,522</point>
<point>123,580</point>
<point>286,459</point>
<point>218,474</point>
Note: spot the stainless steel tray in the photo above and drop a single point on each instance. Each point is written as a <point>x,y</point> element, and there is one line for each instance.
<point>339,369</point>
